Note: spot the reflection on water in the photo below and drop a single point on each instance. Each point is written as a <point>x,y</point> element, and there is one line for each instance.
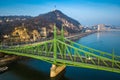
<point>39,70</point>
<point>33,69</point>
<point>104,41</point>
<point>98,35</point>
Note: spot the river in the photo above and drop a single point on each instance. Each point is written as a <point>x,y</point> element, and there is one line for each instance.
<point>38,70</point>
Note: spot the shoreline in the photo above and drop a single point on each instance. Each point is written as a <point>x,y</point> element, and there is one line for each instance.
<point>10,59</point>
<point>7,59</point>
<point>77,36</point>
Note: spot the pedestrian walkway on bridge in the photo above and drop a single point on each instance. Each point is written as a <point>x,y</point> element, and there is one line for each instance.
<point>61,51</point>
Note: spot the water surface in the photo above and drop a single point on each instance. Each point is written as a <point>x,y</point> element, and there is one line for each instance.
<point>39,70</point>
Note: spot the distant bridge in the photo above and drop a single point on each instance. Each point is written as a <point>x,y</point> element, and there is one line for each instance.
<point>61,51</point>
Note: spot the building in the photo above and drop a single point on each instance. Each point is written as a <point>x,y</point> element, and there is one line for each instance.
<point>101,27</point>
<point>43,32</point>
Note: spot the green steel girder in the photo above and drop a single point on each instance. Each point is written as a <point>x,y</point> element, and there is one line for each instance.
<point>83,65</point>
<point>86,51</point>
<point>93,50</point>
<point>62,51</point>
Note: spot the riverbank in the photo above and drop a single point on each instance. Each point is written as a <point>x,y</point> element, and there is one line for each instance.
<point>7,59</point>
<point>34,69</point>
<point>77,36</point>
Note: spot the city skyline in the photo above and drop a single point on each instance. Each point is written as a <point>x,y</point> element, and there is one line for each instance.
<point>87,12</point>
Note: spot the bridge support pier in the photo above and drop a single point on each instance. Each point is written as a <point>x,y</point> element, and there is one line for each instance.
<point>56,70</point>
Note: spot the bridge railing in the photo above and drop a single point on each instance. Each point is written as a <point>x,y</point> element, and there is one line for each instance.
<point>61,49</point>
<point>24,43</point>
<point>97,52</point>
<point>69,52</point>
<point>43,50</point>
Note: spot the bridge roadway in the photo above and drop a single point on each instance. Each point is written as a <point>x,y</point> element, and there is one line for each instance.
<point>61,51</point>
<point>68,59</point>
<point>83,59</point>
<point>76,61</point>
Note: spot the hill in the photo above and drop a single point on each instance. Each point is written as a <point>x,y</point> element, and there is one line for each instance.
<point>42,25</point>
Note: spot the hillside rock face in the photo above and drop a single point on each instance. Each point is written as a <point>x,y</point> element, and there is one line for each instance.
<point>22,34</point>
<point>40,26</point>
<point>58,18</point>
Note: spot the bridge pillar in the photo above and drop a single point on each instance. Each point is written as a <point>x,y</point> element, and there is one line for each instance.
<point>56,70</point>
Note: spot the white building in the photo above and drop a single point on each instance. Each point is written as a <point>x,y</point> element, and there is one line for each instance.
<point>101,27</point>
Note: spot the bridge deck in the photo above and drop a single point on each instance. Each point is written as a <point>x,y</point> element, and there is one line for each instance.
<point>63,51</point>
<point>83,59</point>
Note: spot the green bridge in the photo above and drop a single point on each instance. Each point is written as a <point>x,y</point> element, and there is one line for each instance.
<point>61,51</point>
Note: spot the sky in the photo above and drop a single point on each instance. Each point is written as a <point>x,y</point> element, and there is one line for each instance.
<point>87,12</point>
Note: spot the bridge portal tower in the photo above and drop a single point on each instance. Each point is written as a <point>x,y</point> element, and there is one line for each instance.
<point>56,69</point>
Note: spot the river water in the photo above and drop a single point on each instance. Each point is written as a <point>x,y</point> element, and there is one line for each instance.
<point>38,70</point>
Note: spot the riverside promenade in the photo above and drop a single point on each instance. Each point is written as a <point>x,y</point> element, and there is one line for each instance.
<point>80,35</point>
<point>9,59</point>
